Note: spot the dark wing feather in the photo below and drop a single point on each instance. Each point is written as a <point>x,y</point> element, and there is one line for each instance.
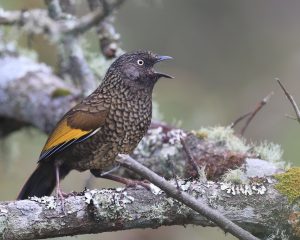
<point>77,125</point>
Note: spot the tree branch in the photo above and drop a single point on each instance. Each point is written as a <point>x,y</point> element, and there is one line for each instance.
<point>109,210</point>
<point>188,200</point>
<point>72,60</point>
<point>39,21</point>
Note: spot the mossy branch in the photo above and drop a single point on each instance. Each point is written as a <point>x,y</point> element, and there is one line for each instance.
<point>264,214</point>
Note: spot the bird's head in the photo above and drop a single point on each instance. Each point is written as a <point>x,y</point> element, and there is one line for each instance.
<point>136,69</point>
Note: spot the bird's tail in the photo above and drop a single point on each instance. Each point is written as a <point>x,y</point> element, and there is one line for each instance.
<point>42,181</point>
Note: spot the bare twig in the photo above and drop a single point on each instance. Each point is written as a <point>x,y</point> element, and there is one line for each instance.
<point>173,172</point>
<point>252,114</point>
<point>191,158</point>
<point>188,200</point>
<point>292,101</point>
<point>240,119</point>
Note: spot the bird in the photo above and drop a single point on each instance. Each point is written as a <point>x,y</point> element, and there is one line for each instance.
<point>112,120</point>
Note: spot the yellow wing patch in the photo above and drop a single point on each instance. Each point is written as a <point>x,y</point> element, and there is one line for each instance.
<point>63,133</point>
<point>75,126</point>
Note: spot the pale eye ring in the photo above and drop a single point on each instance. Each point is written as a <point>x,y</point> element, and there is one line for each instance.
<point>140,62</point>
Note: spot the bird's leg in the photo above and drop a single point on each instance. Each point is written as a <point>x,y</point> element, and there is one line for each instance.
<point>58,190</point>
<point>126,181</point>
<point>59,193</point>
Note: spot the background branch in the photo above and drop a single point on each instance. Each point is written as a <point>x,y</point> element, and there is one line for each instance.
<point>31,94</point>
<point>291,99</point>
<point>251,114</point>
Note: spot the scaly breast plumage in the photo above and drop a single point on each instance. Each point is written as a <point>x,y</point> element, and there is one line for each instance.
<point>125,126</point>
<point>129,124</point>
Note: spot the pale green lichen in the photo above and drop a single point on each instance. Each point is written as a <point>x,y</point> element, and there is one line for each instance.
<point>279,234</point>
<point>28,53</point>
<point>96,61</point>
<point>235,176</point>
<point>172,148</point>
<point>155,190</point>
<point>289,183</point>
<point>154,139</point>
<point>271,152</point>
<point>243,189</point>
<point>223,135</point>
<point>150,142</point>
<point>9,43</point>
<point>48,201</point>
<point>113,202</point>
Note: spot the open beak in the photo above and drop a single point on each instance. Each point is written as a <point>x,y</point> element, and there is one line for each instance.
<point>160,59</point>
<point>163,58</point>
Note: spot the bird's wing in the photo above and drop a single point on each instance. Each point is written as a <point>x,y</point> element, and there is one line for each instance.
<point>77,125</point>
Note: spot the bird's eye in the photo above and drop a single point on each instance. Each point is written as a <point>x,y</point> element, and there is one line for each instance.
<point>140,62</point>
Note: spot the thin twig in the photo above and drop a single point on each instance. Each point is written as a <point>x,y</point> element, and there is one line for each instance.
<point>252,114</point>
<point>190,157</point>
<point>291,99</point>
<point>240,119</point>
<point>173,172</point>
<point>188,200</point>
<point>256,110</point>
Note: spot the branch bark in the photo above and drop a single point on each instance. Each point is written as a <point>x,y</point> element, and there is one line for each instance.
<point>109,210</point>
<point>187,199</point>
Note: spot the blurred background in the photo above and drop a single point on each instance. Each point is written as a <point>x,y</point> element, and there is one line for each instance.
<point>226,56</point>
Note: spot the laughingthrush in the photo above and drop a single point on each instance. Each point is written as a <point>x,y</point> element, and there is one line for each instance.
<point>110,121</point>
